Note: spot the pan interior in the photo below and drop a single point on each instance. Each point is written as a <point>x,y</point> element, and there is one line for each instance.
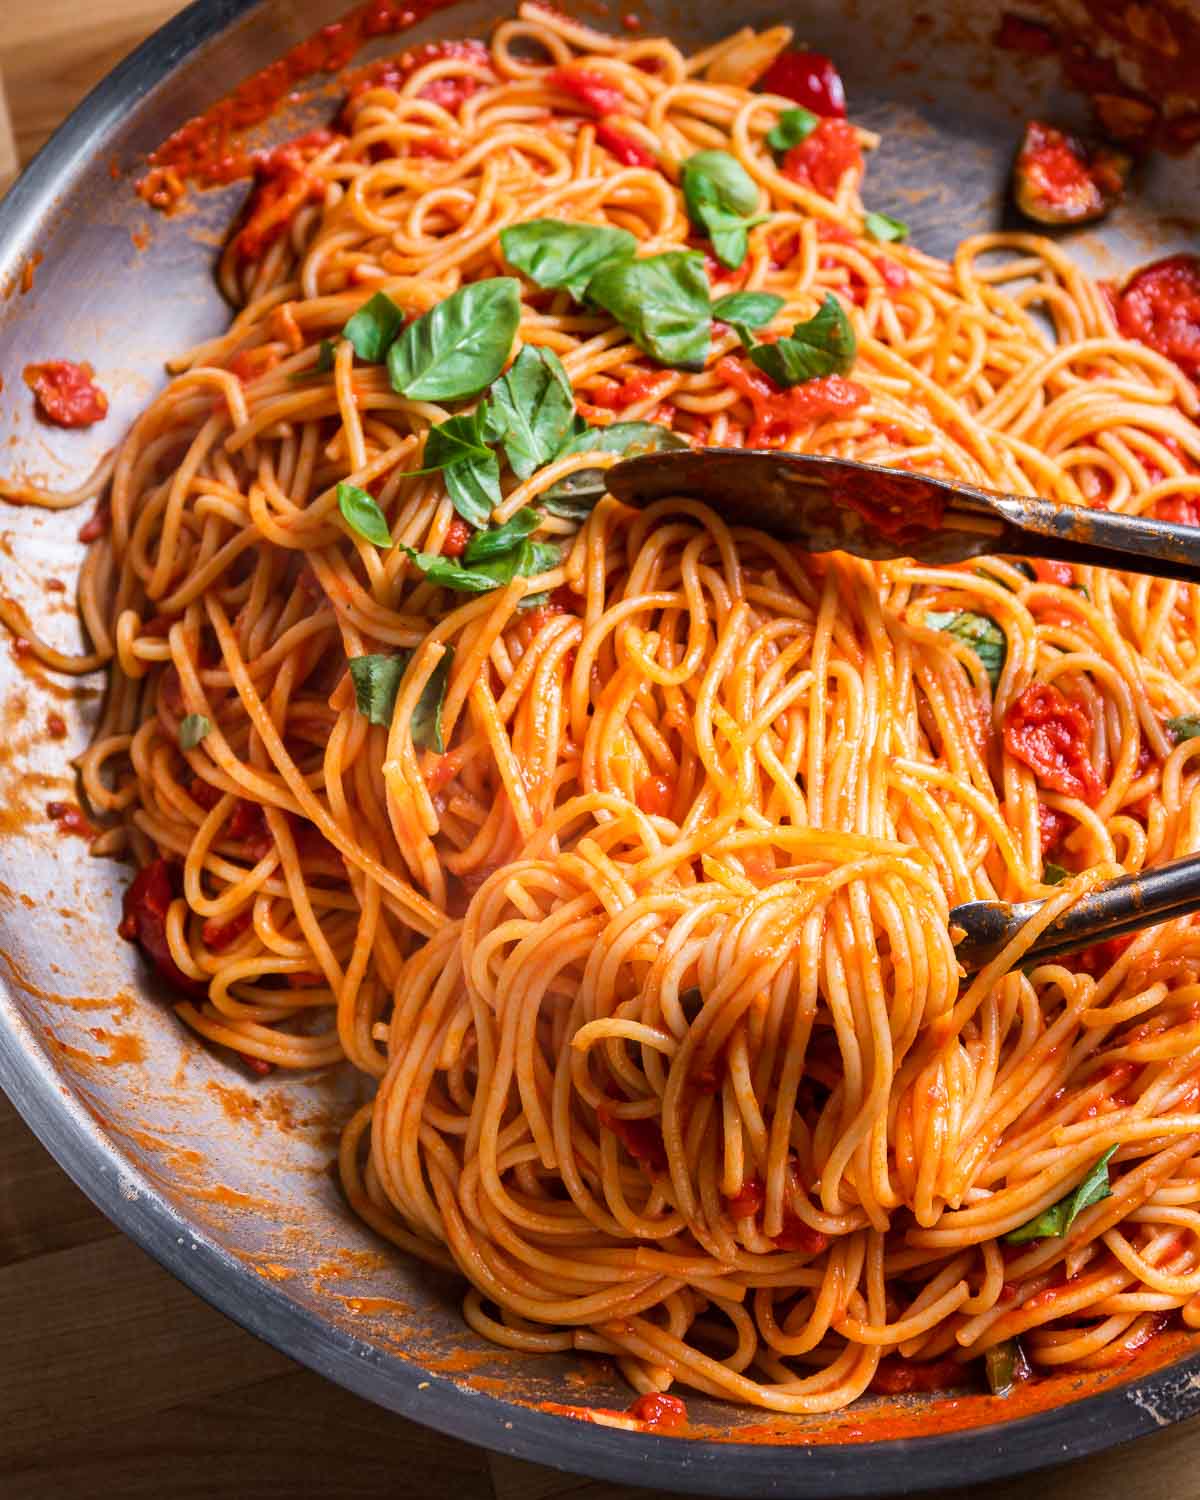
<point>245,1164</point>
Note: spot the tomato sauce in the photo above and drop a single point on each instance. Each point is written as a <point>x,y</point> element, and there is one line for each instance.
<point>648,385</point>
<point>1181,509</point>
<point>1020,34</point>
<point>641,1138</point>
<point>284,185</point>
<point>821,159</point>
<point>592,90</point>
<point>147,901</point>
<point>748,1201</point>
<point>809,79</point>
<point>449,92</point>
<point>1049,733</point>
<point>458,534</point>
<point>656,795</point>
<point>779,413</point>
<point>1160,306</point>
<point>1052,826</point>
<point>896,1375</point>
<point>65,393</point>
<point>221,935</point>
<point>661,1412</point>
<point>1047,570</point>
<point>628,152</point>
<point>1057,174</point>
<point>70,817</point>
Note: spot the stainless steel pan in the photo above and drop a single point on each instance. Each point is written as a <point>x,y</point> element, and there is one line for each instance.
<point>224,1179</point>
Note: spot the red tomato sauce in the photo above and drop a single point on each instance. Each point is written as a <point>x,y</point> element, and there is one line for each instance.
<point>1052,826</point>
<point>1046,570</point>
<point>221,935</point>
<point>808,78</point>
<point>284,185</point>
<point>65,393</point>
<point>144,922</point>
<point>1050,734</point>
<point>656,795</point>
<point>1181,509</point>
<point>69,816</point>
<point>659,1411</point>
<point>896,1375</point>
<point>779,413</point>
<point>1020,34</point>
<point>820,160</point>
<point>641,1138</point>
<point>648,385</point>
<point>1059,175</point>
<point>458,534</point>
<point>592,90</point>
<point>1160,306</point>
<point>627,151</point>
<point>449,92</point>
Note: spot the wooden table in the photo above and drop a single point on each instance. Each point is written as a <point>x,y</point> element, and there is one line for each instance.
<point>115,1381</point>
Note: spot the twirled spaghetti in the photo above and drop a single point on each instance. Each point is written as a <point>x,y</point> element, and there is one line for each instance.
<point>651,962</point>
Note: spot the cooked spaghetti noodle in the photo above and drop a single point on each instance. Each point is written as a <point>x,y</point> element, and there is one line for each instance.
<point>652,961</point>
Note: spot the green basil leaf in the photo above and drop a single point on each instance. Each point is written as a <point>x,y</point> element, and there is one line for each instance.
<point>326,355</point>
<point>884,227</point>
<point>662,303</point>
<point>792,127</point>
<point>983,635</point>
<point>574,497</point>
<point>537,558</point>
<point>1007,1366</point>
<point>526,561</point>
<point>1186,727</point>
<point>192,730</point>
<point>373,328</point>
<point>532,410</point>
<point>748,309</point>
<point>559,255</point>
<point>377,680</point>
<point>1056,1220</point>
<point>716,177</point>
<point>1053,874</point>
<point>469,467</point>
<point>486,545</point>
<point>824,345</point>
<point>362,515</point>
<point>460,345</point>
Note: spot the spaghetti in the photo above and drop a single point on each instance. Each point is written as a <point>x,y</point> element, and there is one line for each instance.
<point>627,876</point>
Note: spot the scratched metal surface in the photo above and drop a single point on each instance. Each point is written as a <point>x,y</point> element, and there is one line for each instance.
<point>225,1180</point>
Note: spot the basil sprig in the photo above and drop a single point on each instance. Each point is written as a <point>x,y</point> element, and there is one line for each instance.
<point>527,560</point>
<point>982,634</point>
<point>1053,1222</point>
<point>469,467</point>
<point>460,345</point>
<point>192,729</point>
<point>792,127</point>
<point>563,256</point>
<point>662,303</point>
<point>574,497</point>
<point>372,329</point>
<point>824,345</point>
<point>1185,727</point>
<point>720,195</point>
<point>531,411</point>
<point>377,680</point>
<point>883,227</point>
<point>486,546</point>
<point>362,515</point>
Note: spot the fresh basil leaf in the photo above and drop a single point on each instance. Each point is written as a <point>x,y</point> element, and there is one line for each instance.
<point>824,345</point>
<point>983,635</point>
<point>377,680</point>
<point>362,515</point>
<point>373,328</point>
<point>792,127</point>
<point>717,177</point>
<point>326,355</point>
<point>532,410</point>
<point>526,561</point>
<point>748,309</point>
<point>1007,1366</point>
<point>559,255</point>
<point>469,467</point>
<point>1056,1220</point>
<point>884,227</point>
<point>1053,874</point>
<point>460,345</point>
<point>486,545</point>
<point>574,497</point>
<point>1185,727</point>
<point>662,303</point>
<point>192,729</point>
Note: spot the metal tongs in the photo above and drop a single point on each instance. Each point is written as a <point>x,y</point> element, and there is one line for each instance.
<point>834,504</point>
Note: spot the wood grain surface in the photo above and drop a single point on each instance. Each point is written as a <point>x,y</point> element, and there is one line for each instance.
<point>115,1381</point>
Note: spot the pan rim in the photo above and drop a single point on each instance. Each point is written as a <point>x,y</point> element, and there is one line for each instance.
<point>894,1466</point>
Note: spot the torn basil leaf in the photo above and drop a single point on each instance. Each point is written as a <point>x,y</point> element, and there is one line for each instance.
<point>662,303</point>
<point>984,637</point>
<point>824,345</point>
<point>883,227</point>
<point>362,515</point>
<point>719,195</point>
<point>525,561</point>
<point>574,497</point>
<point>531,410</point>
<point>1053,874</point>
<point>792,127</point>
<point>371,330</point>
<point>326,355</point>
<point>1185,727</point>
<point>377,681</point>
<point>747,309</point>
<point>459,346</point>
<point>486,545</point>
<point>1056,1220</point>
<point>1007,1366</point>
<point>192,729</point>
<point>470,469</point>
<point>564,256</point>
